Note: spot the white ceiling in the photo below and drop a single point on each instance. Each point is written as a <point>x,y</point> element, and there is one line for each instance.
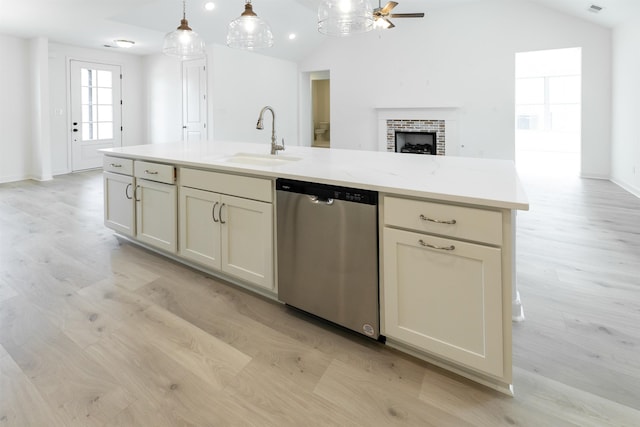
<point>94,23</point>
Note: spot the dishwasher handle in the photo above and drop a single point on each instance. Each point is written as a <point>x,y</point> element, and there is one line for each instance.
<point>317,200</point>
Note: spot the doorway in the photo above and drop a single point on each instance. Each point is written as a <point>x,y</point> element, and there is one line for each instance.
<point>548,112</point>
<point>321,110</point>
<point>96,112</point>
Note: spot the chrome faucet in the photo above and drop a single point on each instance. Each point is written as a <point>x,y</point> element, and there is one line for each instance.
<point>274,145</point>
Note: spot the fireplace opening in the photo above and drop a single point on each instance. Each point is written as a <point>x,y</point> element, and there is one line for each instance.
<point>416,142</point>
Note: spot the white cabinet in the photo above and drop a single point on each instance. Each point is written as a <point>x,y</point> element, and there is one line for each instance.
<point>140,201</point>
<point>442,295</point>
<point>119,205</point>
<point>156,216</point>
<point>226,232</point>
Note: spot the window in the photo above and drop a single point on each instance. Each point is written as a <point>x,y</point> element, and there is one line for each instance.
<point>97,104</point>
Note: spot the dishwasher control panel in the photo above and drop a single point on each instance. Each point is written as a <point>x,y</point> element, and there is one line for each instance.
<point>324,191</point>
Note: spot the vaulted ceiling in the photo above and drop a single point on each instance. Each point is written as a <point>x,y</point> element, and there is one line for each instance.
<point>95,23</point>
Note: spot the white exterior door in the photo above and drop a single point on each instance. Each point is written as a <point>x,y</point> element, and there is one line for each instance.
<point>194,100</point>
<point>96,112</point>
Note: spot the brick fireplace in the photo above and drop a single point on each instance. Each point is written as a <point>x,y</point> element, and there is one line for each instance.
<point>416,126</point>
<point>441,121</point>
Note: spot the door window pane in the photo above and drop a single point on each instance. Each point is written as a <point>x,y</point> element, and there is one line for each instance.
<point>105,130</point>
<point>88,132</point>
<point>105,113</point>
<point>97,104</point>
<point>105,96</point>
<point>105,78</point>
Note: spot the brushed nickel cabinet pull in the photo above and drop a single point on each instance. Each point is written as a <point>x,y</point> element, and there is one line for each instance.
<point>220,214</point>
<point>126,191</point>
<point>213,212</point>
<point>116,165</point>
<point>148,172</point>
<point>437,221</point>
<point>440,248</point>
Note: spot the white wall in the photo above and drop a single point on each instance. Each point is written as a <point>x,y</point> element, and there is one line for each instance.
<point>240,84</point>
<point>162,99</point>
<point>133,117</point>
<point>626,107</point>
<point>15,109</point>
<point>463,57</point>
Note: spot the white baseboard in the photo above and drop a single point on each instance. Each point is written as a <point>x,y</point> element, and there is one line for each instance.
<point>626,186</point>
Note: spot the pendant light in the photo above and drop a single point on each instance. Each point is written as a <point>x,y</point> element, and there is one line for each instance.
<point>183,43</point>
<point>249,31</point>
<point>344,17</point>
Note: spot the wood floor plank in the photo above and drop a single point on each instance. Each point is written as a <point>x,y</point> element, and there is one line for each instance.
<point>205,356</point>
<point>79,390</point>
<point>379,401</point>
<point>20,402</point>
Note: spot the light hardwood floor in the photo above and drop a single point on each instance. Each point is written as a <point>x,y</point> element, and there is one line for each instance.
<point>99,332</point>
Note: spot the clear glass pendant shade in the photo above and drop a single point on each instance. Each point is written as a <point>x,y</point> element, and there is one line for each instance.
<point>344,17</point>
<point>249,31</point>
<point>183,43</point>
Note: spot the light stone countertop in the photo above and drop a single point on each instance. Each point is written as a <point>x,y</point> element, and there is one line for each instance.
<point>481,182</point>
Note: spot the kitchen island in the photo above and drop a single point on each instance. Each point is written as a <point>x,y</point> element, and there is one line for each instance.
<point>446,229</point>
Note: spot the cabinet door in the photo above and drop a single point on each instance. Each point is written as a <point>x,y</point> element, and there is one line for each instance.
<point>200,226</point>
<point>445,300</point>
<point>247,240</point>
<point>119,206</point>
<point>156,214</point>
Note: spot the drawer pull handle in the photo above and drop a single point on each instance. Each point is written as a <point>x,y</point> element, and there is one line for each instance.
<point>437,221</point>
<point>440,248</point>
<point>148,172</point>
<point>116,165</point>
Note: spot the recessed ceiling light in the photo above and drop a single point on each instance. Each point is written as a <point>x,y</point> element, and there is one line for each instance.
<point>209,5</point>
<point>292,36</point>
<point>125,44</point>
<point>595,8</point>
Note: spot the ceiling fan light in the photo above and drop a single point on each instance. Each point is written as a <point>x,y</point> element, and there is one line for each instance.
<point>249,31</point>
<point>183,43</point>
<point>344,17</point>
<point>382,23</point>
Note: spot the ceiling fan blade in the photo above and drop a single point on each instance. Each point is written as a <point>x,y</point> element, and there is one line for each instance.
<point>390,24</point>
<point>387,8</point>
<point>407,15</point>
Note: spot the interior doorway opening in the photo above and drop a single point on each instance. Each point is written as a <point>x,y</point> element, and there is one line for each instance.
<point>321,111</point>
<point>548,112</point>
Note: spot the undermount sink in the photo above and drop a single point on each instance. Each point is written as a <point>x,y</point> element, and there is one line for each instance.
<point>259,159</point>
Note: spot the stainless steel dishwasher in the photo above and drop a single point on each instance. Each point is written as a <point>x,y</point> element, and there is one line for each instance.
<point>328,253</point>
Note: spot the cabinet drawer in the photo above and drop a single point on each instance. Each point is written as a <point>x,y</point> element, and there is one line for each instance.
<point>155,172</point>
<point>117,165</point>
<point>235,185</point>
<point>448,220</point>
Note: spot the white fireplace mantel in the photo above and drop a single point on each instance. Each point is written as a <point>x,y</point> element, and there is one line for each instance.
<point>447,113</point>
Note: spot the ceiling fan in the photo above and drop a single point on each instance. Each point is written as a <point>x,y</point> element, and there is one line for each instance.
<point>381,14</point>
